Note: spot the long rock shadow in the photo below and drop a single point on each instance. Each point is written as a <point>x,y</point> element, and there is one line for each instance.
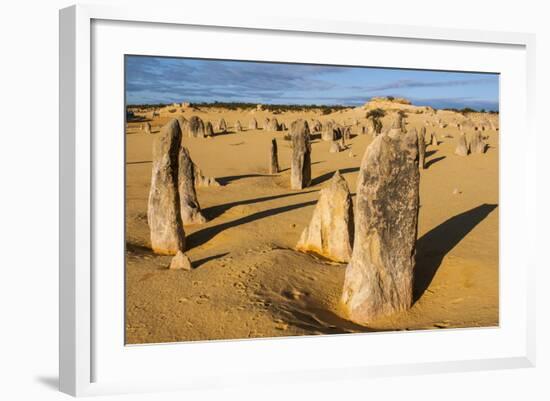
<point>140,162</point>
<point>215,211</point>
<point>200,237</point>
<point>433,161</point>
<point>432,247</point>
<point>202,261</point>
<point>319,320</point>
<point>138,250</point>
<point>324,177</point>
<point>430,153</point>
<point>288,168</point>
<point>231,178</point>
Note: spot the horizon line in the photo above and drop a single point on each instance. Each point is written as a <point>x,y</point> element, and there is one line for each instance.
<point>313,105</point>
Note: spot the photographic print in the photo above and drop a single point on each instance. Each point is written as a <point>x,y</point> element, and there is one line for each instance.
<point>268,199</point>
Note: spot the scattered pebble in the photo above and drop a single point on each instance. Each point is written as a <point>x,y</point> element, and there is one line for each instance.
<point>180,262</point>
<point>456,191</point>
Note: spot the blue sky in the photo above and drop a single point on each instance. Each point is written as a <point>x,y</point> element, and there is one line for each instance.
<point>169,80</point>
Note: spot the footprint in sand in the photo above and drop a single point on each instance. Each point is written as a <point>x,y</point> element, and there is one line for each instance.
<point>201,299</point>
<point>239,286</point>
<point>282,326</point>
<point>294,294</point>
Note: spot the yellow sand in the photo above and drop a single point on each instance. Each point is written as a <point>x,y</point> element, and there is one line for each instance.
<point>248,281</point>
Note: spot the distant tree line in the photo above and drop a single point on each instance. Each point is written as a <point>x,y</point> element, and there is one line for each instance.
<point>274,108</point>
<point>280,108</point>
<point>148,105</point>
<point>467,110</point>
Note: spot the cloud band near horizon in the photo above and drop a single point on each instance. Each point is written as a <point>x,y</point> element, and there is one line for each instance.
<point>155,80</point>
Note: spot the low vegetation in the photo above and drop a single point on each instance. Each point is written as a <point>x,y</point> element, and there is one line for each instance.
<point>376,115</point>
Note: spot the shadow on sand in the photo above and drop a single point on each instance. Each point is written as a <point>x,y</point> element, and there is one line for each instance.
<point>430,153</point>
<point>327,176</point>
<point>199,262</point>
<point>140,162</point>
<point>433,161</point>
<point>138,250</point>
<point>288,168</point>
<point>202,236</point>
<point>432,247</point>
<point>230,178</point>
<point>215,211</point>
<point>317,320</point>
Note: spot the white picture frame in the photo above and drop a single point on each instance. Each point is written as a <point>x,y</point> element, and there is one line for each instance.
<point>84,353</point>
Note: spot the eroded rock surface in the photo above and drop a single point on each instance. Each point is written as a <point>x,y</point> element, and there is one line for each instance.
<point>421,147</point>
<point>477,144</point>
<point>190,209</point>
<point>330,232</point>
<point>273,158</point>
<point>379,277</point>
<point>300,169</point>
<point>462,145</point>
<point>195,127</point>
<point>180,262</point>
<point>163,209</point>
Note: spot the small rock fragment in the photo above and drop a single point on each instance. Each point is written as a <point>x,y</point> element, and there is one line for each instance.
<point>180,262</point>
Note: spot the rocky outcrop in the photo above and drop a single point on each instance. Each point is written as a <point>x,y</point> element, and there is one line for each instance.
<point>346,134</point>
<point>300,169</point>
<point>477,144</point>
<point>422,133</point>
<point>253,124</point>
<point>273,125</point>
<point>195,127</point>
<point>190,209</point>
<point>316,126</point>
<point>222,126</point>
<point>379,277</point>
<point>146,127</point>
<point>266,124</point>
<point>397,126</point>
<point>163,208</point>
<point>421,147</point>
<point>335,147</point>
<point>435,142</point>
<point>203,181</point>
<point>330,232</point>
<point>208,130</point>
<point>180,262</point>
<point>328,134</point>
<point>462,146</point>
<point>238,126</point>
<point>182,121</point>
<point>273,158</point>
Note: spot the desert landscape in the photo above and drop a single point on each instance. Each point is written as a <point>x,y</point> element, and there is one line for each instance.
<point>248,280</point>
<point>277,203</point>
